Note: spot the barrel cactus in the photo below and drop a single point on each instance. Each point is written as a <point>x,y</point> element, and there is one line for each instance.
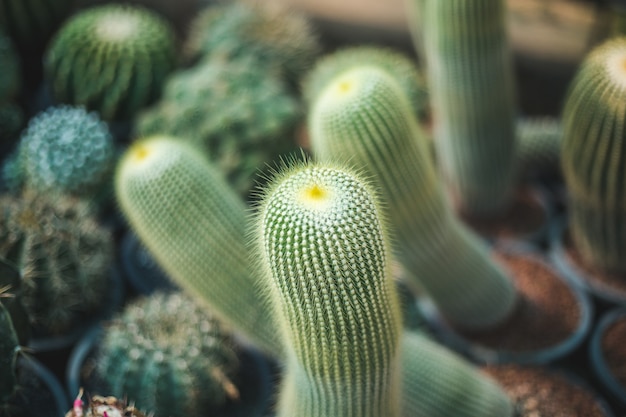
<point>67,149</point>
<point>322,240</point>
<point>242,117</point>
<point>469,69</point>
<point>362,116</point>
<point>63,254</point>
<point>194,225</point>
<point>592,156</point>
<point>111,58</point>
<point>167,354</point>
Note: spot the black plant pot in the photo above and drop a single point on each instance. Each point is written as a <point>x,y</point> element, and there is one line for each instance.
<point>485,355</point>
<point>256,383</point>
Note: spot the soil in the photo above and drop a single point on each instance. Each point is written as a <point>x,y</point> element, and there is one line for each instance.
<point>525,216</point>
<point>614,282</point>
<point>547,312</point>
<point>537,392</point>
<point>614,349</point>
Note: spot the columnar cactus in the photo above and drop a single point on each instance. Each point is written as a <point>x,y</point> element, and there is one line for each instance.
<point>469,68</point>
<point>323,243</point>
<point>63,254</point>
<point>112,58</point>
<point>278,39</point>
<point>194,225</point>
<point>593,156</point>
<point>243,117</point>
<point>66,149</point>
<point>168,355</point>
<point>361,116</point>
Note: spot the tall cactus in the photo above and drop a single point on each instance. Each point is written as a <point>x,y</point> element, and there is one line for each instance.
<point>593,158</point>
<point>362,116</point>
<point>194,225</point>
<point>325,247</point>
<point>471,83</point>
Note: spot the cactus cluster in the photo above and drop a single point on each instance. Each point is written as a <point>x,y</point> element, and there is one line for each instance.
<point>592,156</point>
<point>469,68</point>
<point>64,149</point>
<point>362,116</point>
<point>63,255</point>
<point>242,117</point>
<point>278,39</point>
<point>113,59</point>
<point>167,354</point>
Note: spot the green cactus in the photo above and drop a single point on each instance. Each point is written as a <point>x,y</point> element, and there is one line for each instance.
<point>592,155</point>
<point>66,149</point>
<point>167,354</point>
<point>10,78</point>
<point>113,59</point>
<point>469,68</point>
<point>276,38</point>
<point>63,255</point>
<point>244,118</point>
<point>324,245</point>
<point>194,225</point>
<point>362,117</point>
<point>9,348</point>
<point>539,143</point>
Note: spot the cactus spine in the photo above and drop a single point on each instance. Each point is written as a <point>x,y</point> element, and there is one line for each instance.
<point>471,84</point>
<point>322,240</point>
<point>362,116</point>
<point>593,158</point>
<point>194,225</point>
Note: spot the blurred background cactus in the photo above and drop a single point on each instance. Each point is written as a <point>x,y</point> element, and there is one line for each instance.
<point>11,116</point>
<point>166,354</point>
<point>113,59</point>
<point>539,147</point>
<point>63,255</point>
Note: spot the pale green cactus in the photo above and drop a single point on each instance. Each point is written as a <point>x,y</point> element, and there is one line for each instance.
<point>194,225</point>
<point>363,117</point>
<point>469,68</point>
<point>593,158</point>
<point>324,245</point>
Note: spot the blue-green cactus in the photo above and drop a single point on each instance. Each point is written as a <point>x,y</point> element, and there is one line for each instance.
<point>167,354</point>
<point>66,149</point>
<point>113,59</point>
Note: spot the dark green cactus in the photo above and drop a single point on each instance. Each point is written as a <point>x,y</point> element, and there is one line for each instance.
<point>276,38</point>
<point>469,69</point>
<point>361,116</point>
<point>243,117</point>
<point>66,149</point>
<point>63,255</point>
<point>322,240</point>
<point>592,156</point>
<point>10,77</point>
<point>9,348</point>
<point>194,225</point>
<point>113,59</point>
<point>167,354</point>
<point>539,143</point>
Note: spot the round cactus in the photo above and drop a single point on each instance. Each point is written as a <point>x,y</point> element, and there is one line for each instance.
<point>168,355</point>
<point>112,58</point>
<point>67,149</point>
<point>323,243</point>
<point>592,156</point>
<point>10,74</point>
<point>361,116</point>
<point>63,254</point>
<point>277,39</point>
<point>244,118</point>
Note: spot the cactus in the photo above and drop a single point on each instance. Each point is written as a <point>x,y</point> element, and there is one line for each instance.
<point>276,38</point>
<point>470,75</point>
<point>539,142</point>
<point>10,78</point>
<point>361,116</point>
<point>194,225</point>
<point>68,150</point>
<point>11,120</point>
<point>168,355</point>
<point>9,348</point>
<point>324,245</point>
<point>243,118</point>
<point>62,253</point>
<point>112,58</point>
<point>592,156</point>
